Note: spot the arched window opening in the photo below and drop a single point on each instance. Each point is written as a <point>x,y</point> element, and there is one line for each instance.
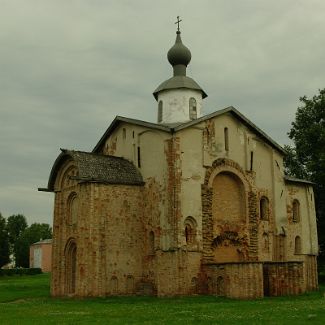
<point>72,216</point>
<point>124,133</point>
<point>295,211</point>
<point>192,108</point>
<point>160,111</point>
<point>71,266</point>
<point>297,245</point>
<point>151,243</point>
<point>226,139</point>
<point>114,285</point>
<point>190,226</point>
<point>264,208</point>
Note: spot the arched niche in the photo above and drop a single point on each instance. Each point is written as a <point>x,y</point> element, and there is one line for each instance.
<point>72,209</point>
<point>65,178</point>
<point>190,230</point>
<point>70,254</point>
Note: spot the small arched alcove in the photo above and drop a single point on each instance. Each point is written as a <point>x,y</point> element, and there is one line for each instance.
<point>72,209</point>
<point>264,208</point>
<point>190,230</point>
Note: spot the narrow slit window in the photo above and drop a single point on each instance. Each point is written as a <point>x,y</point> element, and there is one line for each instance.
<point>124,133</point>
<point>252,161</point>
<point>226,136</point>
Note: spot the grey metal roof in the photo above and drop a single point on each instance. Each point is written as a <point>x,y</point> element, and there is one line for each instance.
<point>178,82</point>
<point>97,168</point>
<point>297,180</point>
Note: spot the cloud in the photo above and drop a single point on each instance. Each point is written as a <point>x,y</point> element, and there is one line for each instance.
<point>68,67</point>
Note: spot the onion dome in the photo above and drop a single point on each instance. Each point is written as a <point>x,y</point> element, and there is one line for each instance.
<point>179,54</point>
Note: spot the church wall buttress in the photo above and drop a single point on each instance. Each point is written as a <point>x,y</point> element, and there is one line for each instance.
<point>172,153</point>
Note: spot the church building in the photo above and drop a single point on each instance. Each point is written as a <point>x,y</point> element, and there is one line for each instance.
<point>189,205</point>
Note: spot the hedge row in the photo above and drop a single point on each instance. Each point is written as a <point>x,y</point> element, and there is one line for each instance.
<point>20,271</point>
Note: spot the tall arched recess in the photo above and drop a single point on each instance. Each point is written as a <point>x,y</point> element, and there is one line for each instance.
<point>229,227</point>
<point>229,202</point>
<point>70,266</point>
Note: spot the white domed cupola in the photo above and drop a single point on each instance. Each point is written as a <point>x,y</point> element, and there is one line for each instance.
<point>180,97</point>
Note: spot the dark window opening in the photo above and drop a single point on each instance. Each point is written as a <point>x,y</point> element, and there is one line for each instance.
<point>226,138</point>
<point>252,161</point>
<point>139,158</point>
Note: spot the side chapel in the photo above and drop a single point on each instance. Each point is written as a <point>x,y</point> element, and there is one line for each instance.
<point>189,205</point>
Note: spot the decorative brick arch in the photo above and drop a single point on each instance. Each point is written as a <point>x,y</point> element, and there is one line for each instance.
<point>250,242</point>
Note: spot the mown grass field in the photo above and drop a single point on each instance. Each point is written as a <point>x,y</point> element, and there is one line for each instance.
<point>26,300</point>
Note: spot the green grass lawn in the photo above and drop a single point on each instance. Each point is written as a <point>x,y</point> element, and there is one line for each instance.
<point>26,300</point>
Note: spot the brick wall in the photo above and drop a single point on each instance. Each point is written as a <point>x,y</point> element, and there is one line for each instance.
<point>236,280</point>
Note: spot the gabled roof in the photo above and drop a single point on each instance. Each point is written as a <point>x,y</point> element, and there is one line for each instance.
<point>180,126</point>
<point>97,168</point>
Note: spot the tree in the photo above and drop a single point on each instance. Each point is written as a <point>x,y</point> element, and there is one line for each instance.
<point>307,158</point>
<point>16,224</point>
<point>4,242</point>
<point>30,235</point>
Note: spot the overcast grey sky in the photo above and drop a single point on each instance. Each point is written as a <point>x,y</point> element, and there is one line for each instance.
<point>68,67</point>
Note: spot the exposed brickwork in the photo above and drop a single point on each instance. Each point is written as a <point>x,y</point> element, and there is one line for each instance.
<point>283,278</point>
<point>239,280</point>
<point>239,248</point>
<point>310,273</point>
<point>174,174</point>
<point>253,225</point>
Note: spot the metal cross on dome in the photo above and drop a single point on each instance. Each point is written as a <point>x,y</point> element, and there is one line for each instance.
<point>177,22</point>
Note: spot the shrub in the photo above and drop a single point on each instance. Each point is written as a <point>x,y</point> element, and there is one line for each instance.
<point>20,271</point>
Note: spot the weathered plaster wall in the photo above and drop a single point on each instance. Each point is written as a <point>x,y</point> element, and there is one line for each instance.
<point>176,104</point>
